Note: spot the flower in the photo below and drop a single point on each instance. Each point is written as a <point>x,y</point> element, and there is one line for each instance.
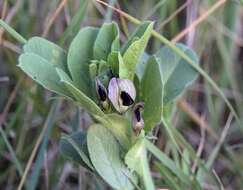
<point>121,93</point>
<point>137,120</point>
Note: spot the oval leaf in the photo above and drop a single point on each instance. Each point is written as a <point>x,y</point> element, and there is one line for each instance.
<point>47,50</point>
<point>134,50</point>
<point>114,60</point>
<point>43,72</point>
<point>79,56</point>
<point>107,40</point>
<point>104,152</point>
<point>175,72</point>
<point>120,127</point>
<point>151,93</point>
<point>75,148</point>
<point>136,159</point>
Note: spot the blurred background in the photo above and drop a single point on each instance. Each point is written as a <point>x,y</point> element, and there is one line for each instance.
<point>30,116</point>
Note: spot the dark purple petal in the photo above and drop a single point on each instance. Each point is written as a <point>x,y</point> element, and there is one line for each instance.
<point>128,87</point>
<point>101,90</point>
<point>137,120</point>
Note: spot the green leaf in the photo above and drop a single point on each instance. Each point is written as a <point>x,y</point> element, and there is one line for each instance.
<point>107,40</point>
<point>120,127</point>
<point>164,78</point>
<point>79,56</point>
<point>80,97</point>
<point>151,93</point>
<point>140,68</point>
<point>138,33</point>
<point>176,74</point>
<point>104,152</point>
<point>136,159</point>
<point>104,73</point>
<point>114,60</point>
<point>43,72</point>
<point>48,51</point>
<point>134,49</point>
<point>75,148</point>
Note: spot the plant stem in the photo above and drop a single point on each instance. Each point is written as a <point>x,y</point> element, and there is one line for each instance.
<point>13,32</point>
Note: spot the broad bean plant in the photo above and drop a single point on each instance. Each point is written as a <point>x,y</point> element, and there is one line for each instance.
<point>127,93</point>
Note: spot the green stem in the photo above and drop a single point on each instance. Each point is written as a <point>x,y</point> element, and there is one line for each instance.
<point>12,153</point>
<point>12,32</point>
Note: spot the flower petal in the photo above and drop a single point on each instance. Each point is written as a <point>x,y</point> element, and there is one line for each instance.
<point>126,99</point>
<point>137,120</point>
<point>128,87</point>
<point>113,93</point>
<point>101,90</point>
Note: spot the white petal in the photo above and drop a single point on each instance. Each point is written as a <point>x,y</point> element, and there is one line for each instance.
<point>113,93</point>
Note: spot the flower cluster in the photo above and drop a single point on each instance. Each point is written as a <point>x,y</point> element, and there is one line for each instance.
<point>122,94</point>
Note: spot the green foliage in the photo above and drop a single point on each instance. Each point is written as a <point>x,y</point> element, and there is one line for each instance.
<point>169,155</point>
<point>133,50</point>
<point>114,60</point>
<point>75,148</point>
<point>151,93</point>
<point>78,95</point>
<point>167,162</point>
<point>79,54</point>
<point>176,74</point>
<point>43,72</point>
<point>120,127</point>
<point>105,156</point>
<point>107,41</point>
<point>111,148</point>
<point>137,160</point>
<point>47,50</point>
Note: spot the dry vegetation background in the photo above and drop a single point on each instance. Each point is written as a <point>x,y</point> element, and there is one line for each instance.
<point>30,127</point>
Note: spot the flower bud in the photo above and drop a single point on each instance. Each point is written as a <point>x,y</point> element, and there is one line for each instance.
<point>102,94</point>
<point>137,120</point>
<point>121,93</point>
